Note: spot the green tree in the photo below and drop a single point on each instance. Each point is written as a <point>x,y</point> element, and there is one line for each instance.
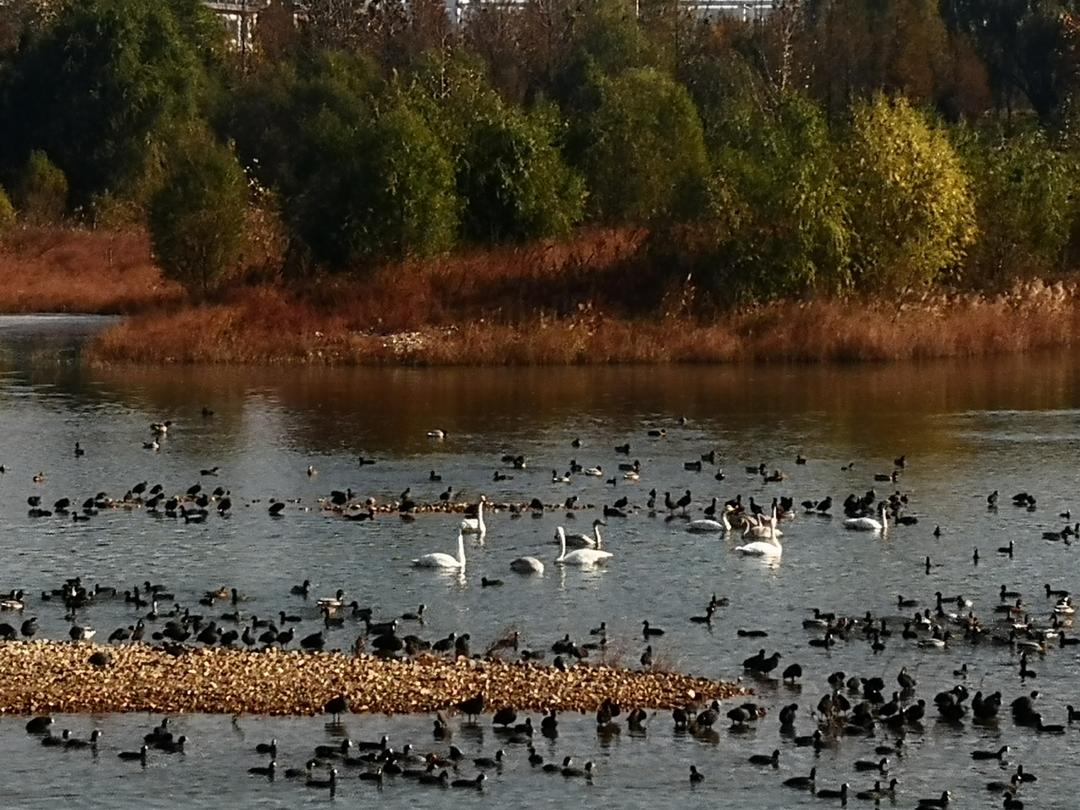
<point>1025,193</point>
<point>605,36</point>
<point>7,212</point>
<point>778,211</point>
<point>514,183</point>
<point>382,191</point>
<point>355,186</point>
<point>43,190</point>
<point>451,92</point>
<point>511,176</point>
<point>197,216</point>
<point>275,115</point>
<point>730,95</point>
<point>102,88</point>
<point>646,157</point>
<point>910,200</point>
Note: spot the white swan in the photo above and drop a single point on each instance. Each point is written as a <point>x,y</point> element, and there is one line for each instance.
<point>475,525</point>
<point>593,540</point>
<point>869,524</point>
<point>706,526</point>
<point>583,556</point>
<point>527,565</point>
<point>763,529</point>
<point>762,548</point>
<point>440,560</point>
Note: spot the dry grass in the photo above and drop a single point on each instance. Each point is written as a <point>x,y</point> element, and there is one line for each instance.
<point>266,325</point>
<point>60,270</point>
<point>586,301</point>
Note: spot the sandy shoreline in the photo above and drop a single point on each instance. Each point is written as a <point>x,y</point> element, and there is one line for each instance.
<point>55,676</point>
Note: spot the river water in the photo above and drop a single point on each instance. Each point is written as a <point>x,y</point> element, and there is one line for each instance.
<point>966,428</point>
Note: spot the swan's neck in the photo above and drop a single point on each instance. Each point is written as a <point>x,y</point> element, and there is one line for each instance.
<point>596,534</point>
<point>461,549</point>
<point>562,543</point>
<point>725,521</point>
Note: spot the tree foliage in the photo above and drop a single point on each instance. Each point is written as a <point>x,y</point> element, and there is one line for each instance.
<point>7,212</point>
<point>381,191</point>
<point>646,157</point>
<point>778,205</point>
<point>514,183</point>
<point>1025,193</point>
<point>511,176</point>
<point>911,205</point>
<point>277,116</point>
<point>43,190</point>
<point>197,216</point>
<point>102,88</point>
<point>766,151</point>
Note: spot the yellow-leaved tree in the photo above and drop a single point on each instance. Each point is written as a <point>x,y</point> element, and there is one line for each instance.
<point>911,204</point>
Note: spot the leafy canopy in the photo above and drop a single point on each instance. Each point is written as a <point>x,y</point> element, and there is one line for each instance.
<point>103,88</point>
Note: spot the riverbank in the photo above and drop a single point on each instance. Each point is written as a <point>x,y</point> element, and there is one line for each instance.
<point>269,326</point>
<point>588,301</point>
<point>52,676</point>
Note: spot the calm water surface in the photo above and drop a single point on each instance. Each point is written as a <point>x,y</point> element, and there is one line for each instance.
<point>966,428</point>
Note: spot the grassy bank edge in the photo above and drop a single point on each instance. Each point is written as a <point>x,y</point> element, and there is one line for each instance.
<point>268,326</point>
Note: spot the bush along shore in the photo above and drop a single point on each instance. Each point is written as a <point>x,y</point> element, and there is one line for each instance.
<point>613,181</point>
<point>54,676</point>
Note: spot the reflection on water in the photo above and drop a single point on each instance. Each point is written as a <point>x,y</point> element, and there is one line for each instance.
<point>966,428</point>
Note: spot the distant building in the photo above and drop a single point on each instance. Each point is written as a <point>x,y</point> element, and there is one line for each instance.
<point>241,15</point>
<point>747,10</point>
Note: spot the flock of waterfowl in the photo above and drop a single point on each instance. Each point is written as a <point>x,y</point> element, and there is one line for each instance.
<point>861,712</point>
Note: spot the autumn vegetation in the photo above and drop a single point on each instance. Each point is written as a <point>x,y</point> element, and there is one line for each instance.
<point>556,182</point>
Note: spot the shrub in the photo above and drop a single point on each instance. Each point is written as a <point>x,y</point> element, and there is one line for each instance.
<point>646,157</point>
<point>778,207</point>
<point>1024,201</point>
<point>513,181</point>
<point>43,190</point>
<point>910,200</point>
<point>197,216</point>
<point>7,212</point>
<point>104,86</point>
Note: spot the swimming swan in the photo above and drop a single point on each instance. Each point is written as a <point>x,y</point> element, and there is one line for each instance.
<point>706,526</point>
<point>762,548</point>
<point>593,540</point>
<point>440,560</point>
<point>583,556</point>
<point>527,565</point>
<point>764,529</point>
<point>869,524</point>
<point>475,525</point>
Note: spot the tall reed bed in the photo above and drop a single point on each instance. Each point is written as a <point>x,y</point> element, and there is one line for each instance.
<point>268,325</point>
<point>74,270</point>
